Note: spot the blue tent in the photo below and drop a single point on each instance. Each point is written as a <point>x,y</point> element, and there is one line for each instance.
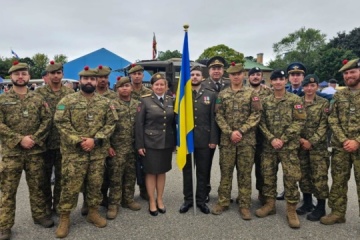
<point>323,84</point>
<point>1,80</point>
<point>99,57</point>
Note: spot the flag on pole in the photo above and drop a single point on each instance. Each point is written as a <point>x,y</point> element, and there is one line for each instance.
<point>14,54</point>
<point>154,47</point>
<point>184,108</point>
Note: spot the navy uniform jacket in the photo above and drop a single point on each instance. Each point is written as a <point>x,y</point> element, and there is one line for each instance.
<point>301,93</point>
<point>155,123</point>
<point>209,84</point>
<point>206,130</point>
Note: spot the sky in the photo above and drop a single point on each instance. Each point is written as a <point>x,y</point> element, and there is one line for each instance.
<point>78,27</point>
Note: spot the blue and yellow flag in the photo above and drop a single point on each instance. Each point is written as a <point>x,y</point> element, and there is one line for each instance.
<point>184,108</point>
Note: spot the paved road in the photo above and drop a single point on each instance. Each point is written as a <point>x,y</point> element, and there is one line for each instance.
<point>173,225</point>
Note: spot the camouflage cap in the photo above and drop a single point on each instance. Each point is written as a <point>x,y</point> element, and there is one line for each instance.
<point>216,61</point>
<point>355,63</point>
<point>16,66</point>
<point>296,67</point>
<point>235,68</point>
<point>310,78</point>
<point>254,70</point>
<point>156,77</point>
<point>121,81</point>
<point>103,71</point>
<point>197,68</point>
<point>278,73</point>
<point>53,66</point>
<point>135,68</point>
<point>88,72</point>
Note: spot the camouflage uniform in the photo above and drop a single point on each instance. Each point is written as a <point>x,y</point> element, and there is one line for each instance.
<point>109,94</point>
<point>314,163</point>
<point>52,156</point>
<point>122,165</point>
<point>237,110</point>
<point>76,117</point>
<point>143,91</point>
<point>282,118</point>
<point>18,118</point>
<point>344,120</point>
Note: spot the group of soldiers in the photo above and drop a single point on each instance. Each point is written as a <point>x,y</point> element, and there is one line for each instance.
<point>88,138</point>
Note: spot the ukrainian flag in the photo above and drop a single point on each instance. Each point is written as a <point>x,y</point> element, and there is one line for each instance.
<point>184,108</point>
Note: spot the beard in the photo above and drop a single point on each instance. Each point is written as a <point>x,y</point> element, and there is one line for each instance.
<point>255,84</point>
<point>352,83</point>
<point>20,84</point>
<point>195,84</point>
<point>88,88</point>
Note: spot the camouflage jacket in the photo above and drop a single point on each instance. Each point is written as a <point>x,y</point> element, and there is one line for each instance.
<point>19,118</point>
<point>123,137</point>
<point>53,98</point>
<point>109,94</point>
<point>316,124</point>
<point>240,110</point>
<point>283,119</point>
<point>143,91</point>
<point>344,118</point>
<point>76,117</point>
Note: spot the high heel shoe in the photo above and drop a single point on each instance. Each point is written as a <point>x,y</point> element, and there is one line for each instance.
<point>153,213</point>
<point>161,210</point>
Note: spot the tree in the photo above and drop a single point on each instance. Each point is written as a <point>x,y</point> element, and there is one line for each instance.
<point>350,41</point>
<point>5,64</point>
<point>303,45</point>
<point>229,54</point>
<point>60,58</point>
<point>162,56</point>
<point>251,58</point>
<point>40,61</point>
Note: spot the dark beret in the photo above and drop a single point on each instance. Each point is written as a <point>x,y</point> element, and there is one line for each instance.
<point>310,78</point>
<point>278,73</point>
<point>254,70</point>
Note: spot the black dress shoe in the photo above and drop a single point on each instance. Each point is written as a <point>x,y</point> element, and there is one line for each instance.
<point>153,213</point>
<point>161,210</point>
<point>185,207</point>
<point>204,208</point>
<point>281,196</point>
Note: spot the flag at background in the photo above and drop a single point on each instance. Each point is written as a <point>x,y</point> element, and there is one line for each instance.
<point>14,54</point>
<point>184,108</point>
<point>154,47</point>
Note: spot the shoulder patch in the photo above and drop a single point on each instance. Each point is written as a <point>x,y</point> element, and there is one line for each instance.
<point>146,95</point>
<point>61,107</point>
<point>298,106</point>
<point>256,99</point>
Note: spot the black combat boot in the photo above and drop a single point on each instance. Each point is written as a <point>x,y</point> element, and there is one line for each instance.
<point>318,212</point>
<point>307,205</point>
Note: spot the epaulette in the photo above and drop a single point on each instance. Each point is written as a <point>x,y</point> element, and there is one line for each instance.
<point>209,89</point>
<point>146,95</point>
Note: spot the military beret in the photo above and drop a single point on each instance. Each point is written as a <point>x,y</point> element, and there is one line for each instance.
<point>121,81</point>
<point>18,66</point>
<point>296,67</point>
<point>135,68</point>
<point>103,71</point>
<point>355,63</point>
<point>254,70</point>
<point>310,78</point>
<point>278,73</point>
<point>197,68</point>
<point>88,72</point>
<point>216,61</point>
<point>157,76</point>
<point>44,73</point>
<point>53,66</point>
<point>332,80</point>
<point>235,68</point>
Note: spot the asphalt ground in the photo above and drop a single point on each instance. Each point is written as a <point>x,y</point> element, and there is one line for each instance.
<point>173,225</point>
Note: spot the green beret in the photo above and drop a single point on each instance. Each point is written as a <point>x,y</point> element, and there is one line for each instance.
<point>135,68</point>
<point>103,71</point>
<point>157,76</point>
<point>355,63</point>
<point>235,68</point>
<point>121,81</point>
<point>18,66</point>
<point>197,68</point>
<point>310,78</point>
<point>88,72</point>
<point>53,66</point>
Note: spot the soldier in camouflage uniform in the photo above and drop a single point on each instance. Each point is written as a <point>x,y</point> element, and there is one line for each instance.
<point>53,92</point>
<point>313,153</point>
<point>136,74</point>
<point>282,119</point>
<point>24,125</point>
<point>85,121</point>
<point>255,78</point>
<point>122,162</point>
<point>238,111</point>
<point>344,121</point>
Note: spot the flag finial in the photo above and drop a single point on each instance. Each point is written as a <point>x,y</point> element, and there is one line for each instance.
<point>186,26</point>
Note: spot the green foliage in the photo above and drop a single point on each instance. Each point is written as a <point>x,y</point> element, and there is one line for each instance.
<point>60,58</point>
<point>229,54</point>
<point>350,41</point>
<point>5,64</point>
<point>40,61</point>
<point>162,56</point>
<point>251,58</point>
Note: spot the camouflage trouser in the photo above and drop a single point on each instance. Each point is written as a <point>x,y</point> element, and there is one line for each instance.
<point>341,163</point>
<point>314,173</point>
<point>122,176</point>
<point>291,173</point>
<point>257,161</point>
<point>52,158</point>
<point>243,157</point>
<point>13,167</point>
<point>76,174</point>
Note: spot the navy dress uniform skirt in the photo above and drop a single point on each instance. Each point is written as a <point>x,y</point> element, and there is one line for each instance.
<point>157,161</point>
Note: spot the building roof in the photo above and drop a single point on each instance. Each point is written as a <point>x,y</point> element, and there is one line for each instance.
<point>251,64</point>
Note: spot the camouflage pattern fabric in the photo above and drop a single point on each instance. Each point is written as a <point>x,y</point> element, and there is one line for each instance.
<point>143,91</point>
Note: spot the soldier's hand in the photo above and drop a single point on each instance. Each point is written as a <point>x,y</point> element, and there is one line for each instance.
<point>236,136</point>
<point>87,144</point>
<point>142,152</point>
<point>212,145</point>
<point>351,145</point>
<point>305,144</point>
<point>27,142</point>
<point>111,152</point>
<point>276,143</point>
